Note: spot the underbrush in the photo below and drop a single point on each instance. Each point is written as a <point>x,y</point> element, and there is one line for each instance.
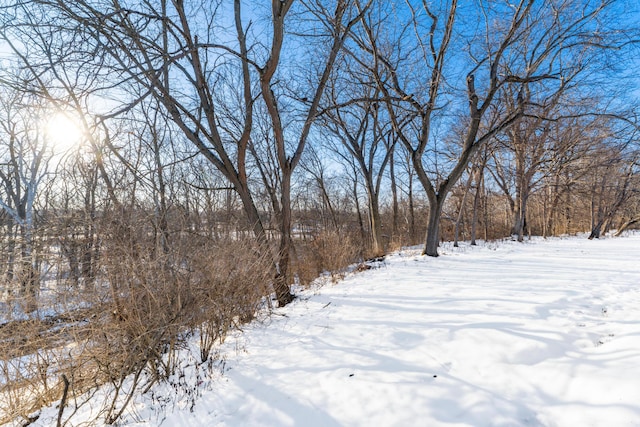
<point>143,307</point>
<point>146,314</point>
<point>327,254</point>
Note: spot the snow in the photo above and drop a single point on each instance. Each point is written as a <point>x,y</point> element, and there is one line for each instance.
<point>545,333</point>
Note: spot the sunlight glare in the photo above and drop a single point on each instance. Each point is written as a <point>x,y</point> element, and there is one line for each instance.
<point>63,132</point>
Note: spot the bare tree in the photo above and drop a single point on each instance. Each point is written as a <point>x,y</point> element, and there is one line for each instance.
<point>181,62</point>
<point>365,137</point>
<point>613,180</point>
<point>158,53</point>
<point>526,46</point>
<point>313,165</point>
<point>25,154</point>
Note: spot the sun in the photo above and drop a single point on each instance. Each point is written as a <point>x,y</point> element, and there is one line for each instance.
<point>63,132</point>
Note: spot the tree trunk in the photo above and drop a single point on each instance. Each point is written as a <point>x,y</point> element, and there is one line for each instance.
<point>283,280</point>
<point>363,234</point>
<point>394,195</point>
<point>376,224</point>
<point>253,216</point>
<point>29,274</point>
<point>461,209</point>
<point>89,246</point>
<point>327,202</point>
<point>281,266</point>
<point>485,209</point>
<point>11,251</point>
<point>626,225</point>
<point>162,226</point>
<point>476,202</point>
<point>412,214</point>
<point>521,216</point>
<point>456,231</point>
<point>554,195</point>
<point>596,230</point>
<point>433,228</point>
<point>598,209</point>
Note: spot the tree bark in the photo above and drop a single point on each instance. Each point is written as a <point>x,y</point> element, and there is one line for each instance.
<point>377,245</point>
<point>283,278</point>
<point>476,203</point>
<point>394,195</point>
<point>363,232</point>
<point>412,213</point>
<point>433,228</point>
<point>461,209</point>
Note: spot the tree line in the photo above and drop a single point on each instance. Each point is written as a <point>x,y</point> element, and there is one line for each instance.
<point>508,97</point>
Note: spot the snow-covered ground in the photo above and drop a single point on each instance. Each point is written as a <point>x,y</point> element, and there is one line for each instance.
<point>545,333</point>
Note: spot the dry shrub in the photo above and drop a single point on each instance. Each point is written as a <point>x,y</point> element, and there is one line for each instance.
<point>234,278</point>
<point>26,383</point>
<point>144,307</point>
<point>328,252</point>
<point>157,300</point>
<point>395,246</point>
<point>126,330</point>
<point>34,355</point>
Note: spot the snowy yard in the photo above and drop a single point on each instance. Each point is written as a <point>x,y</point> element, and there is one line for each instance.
<point>545,333</point>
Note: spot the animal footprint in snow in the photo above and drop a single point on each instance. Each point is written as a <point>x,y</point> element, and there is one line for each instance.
<point>604,339</point>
